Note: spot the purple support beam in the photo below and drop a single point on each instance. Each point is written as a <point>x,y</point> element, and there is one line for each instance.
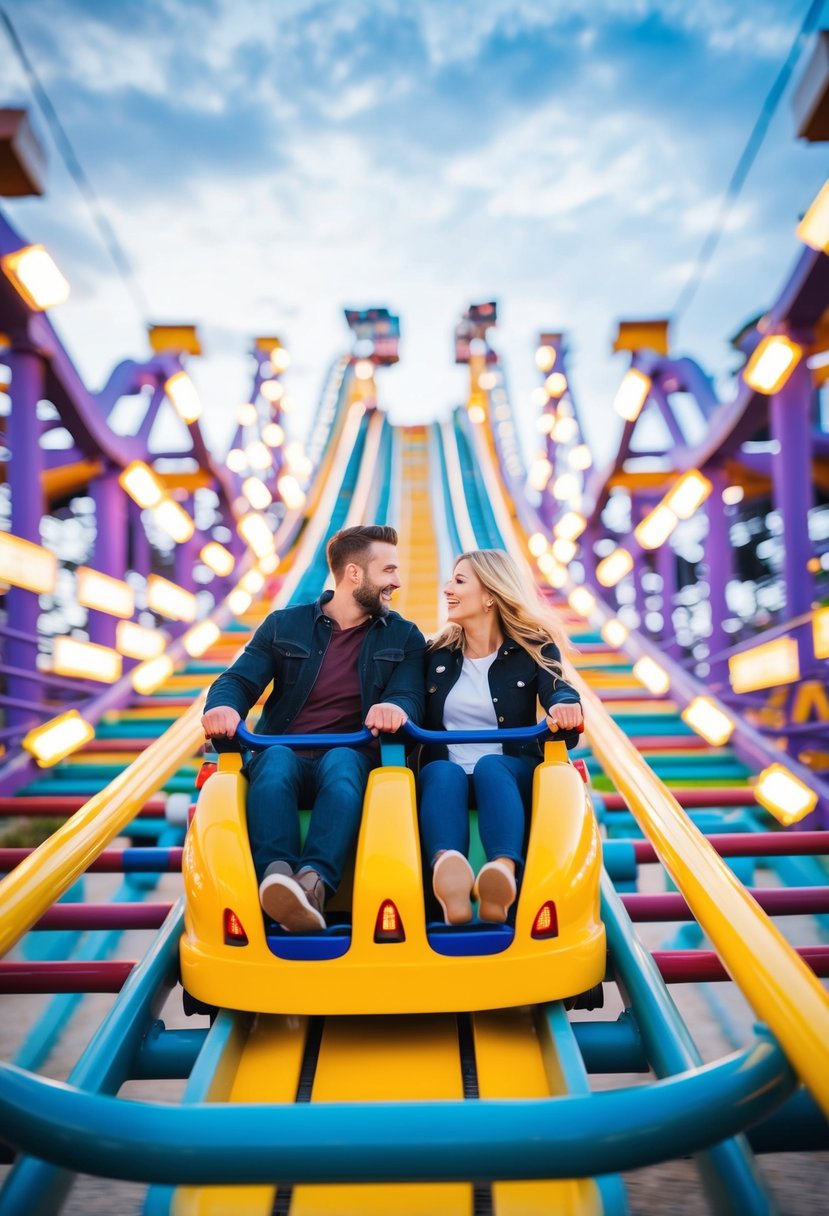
<point>105,916</point>
<point>111,515</point>
<point>751,844</point>
<point>792,484</point>
<point>112,861</point>
<point>666,569</point>
<point>55,805</point>
<point>696,797</point>
<point>187,555</point>
<point>720,571</point>
<point>704,966</point>
<point>25,473</point>
<point>786,901</point>
<point>64,977</point>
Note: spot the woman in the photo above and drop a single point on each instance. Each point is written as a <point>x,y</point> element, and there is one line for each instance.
<point>491,664</point>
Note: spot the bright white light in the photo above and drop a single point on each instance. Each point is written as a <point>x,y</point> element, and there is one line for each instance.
<point>253,582</point>
<point>545,358</point>
<point>247,414</point>
<point>142,485</point>
<point>566,486</point>
<point>103,593</point>
<point>705,717</point>
<point>290,492</point>
<point>765,666</point>
<point>236,460</point>
<point>36,277</point>
<point>564,550</point>
<point>632,394</point>
<point>138,642</point>
<point>772,363</point>
<point>813,229</point>
<point>86,660</point>
<point>581,601</point>
<point>200,638</point>
<point>259,455</point>
<point>565,429</point>
<point>540,471</point>
<point>613,568</point>
<point>731,495</point>
<point>570,526</point>
<point>556,384</point>
<point>256,533</point>
<point>217,558</point>
<point>785,795</point>
<point>652,675</point>
<point>24,564</point>
<point>170,600</point>
<point>280,359</point>
<point>149,676</point>
<point>273,435</point>
<point>182,392</point>
<point>257,493</point>
<point>689,493</point>
<point>579,457</point>
<point>58,738</point>
<point>537,544</point>
<point>174,520</point>
<point>364,369</point>
<point>272,390</point>
<point>614,633</point>
<point>239,601</point>
<point>655,528</point>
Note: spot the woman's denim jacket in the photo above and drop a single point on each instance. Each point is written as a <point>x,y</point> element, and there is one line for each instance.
<point>288,648</point>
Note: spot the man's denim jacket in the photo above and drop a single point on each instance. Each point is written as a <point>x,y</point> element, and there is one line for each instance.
<point>288,648</point>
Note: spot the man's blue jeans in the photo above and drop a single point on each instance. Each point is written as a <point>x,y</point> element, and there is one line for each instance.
<point>332,784</point>
<point>502,790</point>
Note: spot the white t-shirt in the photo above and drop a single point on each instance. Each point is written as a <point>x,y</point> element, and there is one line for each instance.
<point>469,707</point>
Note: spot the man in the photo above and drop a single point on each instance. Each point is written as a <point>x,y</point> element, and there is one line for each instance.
<point>335,664</point>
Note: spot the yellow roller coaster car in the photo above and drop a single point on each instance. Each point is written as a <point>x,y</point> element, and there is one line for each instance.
<point>385,958</point>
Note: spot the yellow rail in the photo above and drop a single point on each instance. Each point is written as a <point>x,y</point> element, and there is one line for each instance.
<point>778,985</point>
<point>33,886</point>
<point>419,594</point>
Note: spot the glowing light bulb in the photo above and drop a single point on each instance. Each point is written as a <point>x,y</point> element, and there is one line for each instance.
<point>36,277</point>
<point>632,394</point>
<point>182,392</point>
<point>545,358</point>
<point>772,363</point>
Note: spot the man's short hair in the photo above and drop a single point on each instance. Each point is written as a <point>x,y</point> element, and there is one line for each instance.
<point>353,544</point>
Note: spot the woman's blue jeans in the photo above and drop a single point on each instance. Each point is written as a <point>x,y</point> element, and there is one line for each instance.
<point>502,790</point>
<point>331,783</point>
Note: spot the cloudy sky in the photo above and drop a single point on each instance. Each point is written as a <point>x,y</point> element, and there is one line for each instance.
<point>267,162</point>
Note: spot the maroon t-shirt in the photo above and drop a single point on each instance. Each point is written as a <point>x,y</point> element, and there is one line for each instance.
<point>334,704</point>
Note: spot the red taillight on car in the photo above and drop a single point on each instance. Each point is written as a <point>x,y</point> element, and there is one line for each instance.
<point>234,932</point>
<point>206,770</point>
<point>389,927</point>
<point>546,921</point>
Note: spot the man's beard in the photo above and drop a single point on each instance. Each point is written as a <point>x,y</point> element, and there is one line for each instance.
<point>367,596</point>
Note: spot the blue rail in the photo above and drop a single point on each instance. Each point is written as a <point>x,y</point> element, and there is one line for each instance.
<point>564,1137</point>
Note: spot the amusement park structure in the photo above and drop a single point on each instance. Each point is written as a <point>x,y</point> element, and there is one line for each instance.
<point>388,1064</point>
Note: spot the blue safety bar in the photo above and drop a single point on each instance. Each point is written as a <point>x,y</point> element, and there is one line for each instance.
<point>417,734</point>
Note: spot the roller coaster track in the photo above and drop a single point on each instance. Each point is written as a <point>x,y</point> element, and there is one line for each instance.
<point>497,1111</point>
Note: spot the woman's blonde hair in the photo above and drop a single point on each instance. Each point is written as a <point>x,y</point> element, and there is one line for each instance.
<point>524,615</point>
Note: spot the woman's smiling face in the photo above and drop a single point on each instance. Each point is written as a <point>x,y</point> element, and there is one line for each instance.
<point>465,595</point>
